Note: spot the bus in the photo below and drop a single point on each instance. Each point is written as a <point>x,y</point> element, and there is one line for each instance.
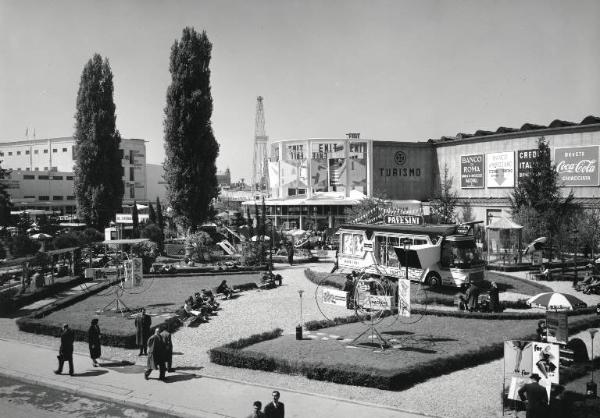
<point>432,254</point>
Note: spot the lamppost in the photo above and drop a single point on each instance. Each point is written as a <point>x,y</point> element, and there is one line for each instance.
<point>301,326</point>
<point>576,235</point>
<point>591,387</point>
<point>405,244</point>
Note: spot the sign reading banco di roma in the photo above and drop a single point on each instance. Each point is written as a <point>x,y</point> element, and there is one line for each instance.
<point>471,171</point>
<point>577,166</point>
<point>500,169</point>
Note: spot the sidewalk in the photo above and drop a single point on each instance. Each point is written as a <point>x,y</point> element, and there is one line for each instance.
<point>186,393</point>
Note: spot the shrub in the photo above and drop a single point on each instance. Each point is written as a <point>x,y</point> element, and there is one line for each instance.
<point>22,245</point>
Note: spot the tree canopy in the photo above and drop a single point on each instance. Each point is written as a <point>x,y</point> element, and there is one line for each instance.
<point>98,183</point>
<point>443,204</point>
<point>191,148</point>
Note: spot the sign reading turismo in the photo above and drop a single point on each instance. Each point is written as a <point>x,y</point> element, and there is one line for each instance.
<point>471,171</point>
<point>577,166</point>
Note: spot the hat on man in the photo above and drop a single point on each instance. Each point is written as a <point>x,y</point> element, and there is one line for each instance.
<point>535,377</point>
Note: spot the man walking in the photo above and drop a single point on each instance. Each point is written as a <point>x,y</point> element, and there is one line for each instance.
<point>536,397</point>
<point>65,352</point>
<point>156,356</point>
<point>165,336</point>
<point>142,331</point>
<point>274,409</point>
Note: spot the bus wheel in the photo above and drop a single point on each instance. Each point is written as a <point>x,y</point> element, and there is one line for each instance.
<point>434,280</point>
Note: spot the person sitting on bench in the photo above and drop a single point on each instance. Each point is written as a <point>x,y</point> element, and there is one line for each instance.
<point>187,307</point>
<point>209,299</point>
<point>224,289</point>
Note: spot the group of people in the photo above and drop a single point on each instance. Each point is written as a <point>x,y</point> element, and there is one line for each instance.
<point>591,281</point>
<point>67,339</point>
<point>273,409</point>
<point>203,304</point>
<point>158,346</point>
<point>471,302</point>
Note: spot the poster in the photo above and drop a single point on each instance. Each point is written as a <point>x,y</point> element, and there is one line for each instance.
<point>577,166</point>
<point>471,171</point>
<point>404,297</point>
<point>334,297</point>
<point>545,362</point>
<point>500,169</point>
<point>557,327</point>
<point>518,356</point>
<point>137,271</point>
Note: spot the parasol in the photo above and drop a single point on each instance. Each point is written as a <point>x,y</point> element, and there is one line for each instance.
<point>556,301</point>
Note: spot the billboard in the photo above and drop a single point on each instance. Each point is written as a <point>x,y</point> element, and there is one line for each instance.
<point>334,297</point>
<point>471,171</point>
<point>577,166</point>
<point>500,169</point>
<point>525,159</point>
<point>557,324</point>
<point>404,297</point>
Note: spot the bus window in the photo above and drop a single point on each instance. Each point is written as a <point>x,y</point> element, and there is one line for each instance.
<point>357,244</point>
<point>380,250</point>
<point>420,241</point>
<point>447,256</point>
<point>347,244</point>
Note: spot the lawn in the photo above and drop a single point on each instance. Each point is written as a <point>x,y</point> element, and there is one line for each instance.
<point>429,347</point>
<point>161,296</point>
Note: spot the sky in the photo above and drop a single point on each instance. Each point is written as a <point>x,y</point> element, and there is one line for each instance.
<point>392,70</point>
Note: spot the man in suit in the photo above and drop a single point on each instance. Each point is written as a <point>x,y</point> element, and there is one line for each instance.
<point>156,356</point>
<point>142,331</point>
<point>65,352</point>
<point>536,397</point>
<point>274,409</point>
<point>165,335</point>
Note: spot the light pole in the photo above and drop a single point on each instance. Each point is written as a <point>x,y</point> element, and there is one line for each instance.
<point>301,326</point>
<point>591,387</point>
<point>575,234</point>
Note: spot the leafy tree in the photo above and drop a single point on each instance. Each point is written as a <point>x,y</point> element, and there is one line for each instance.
<point>135,218</point>
<point>151,213</point>
<point>22,245</point>
<point>153,233</point>
<point>24,222</point>
<point>160,221</point>
<point>443,204</point>
<point>191,148</point>
<point>98,184</point>
<point>5,204</point>
<point>537,204</point>
<point>467,213</point>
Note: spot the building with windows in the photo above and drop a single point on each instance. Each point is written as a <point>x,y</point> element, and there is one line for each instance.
<point>42,173</point>
<point>314,181</point>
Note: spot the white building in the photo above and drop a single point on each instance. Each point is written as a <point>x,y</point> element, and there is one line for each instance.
<point>42,172</point>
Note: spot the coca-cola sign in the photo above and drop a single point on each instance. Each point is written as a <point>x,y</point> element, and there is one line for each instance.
<point>577,166</point>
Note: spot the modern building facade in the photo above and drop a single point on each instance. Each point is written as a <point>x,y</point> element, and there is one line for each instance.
<point>42,173</point>
<point>314,181</point>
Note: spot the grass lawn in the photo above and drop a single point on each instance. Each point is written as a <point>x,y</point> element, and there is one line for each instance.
<point>160,296</point>
<point>430,347</point>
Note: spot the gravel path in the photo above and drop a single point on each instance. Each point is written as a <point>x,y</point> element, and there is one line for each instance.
<point>466,393</point>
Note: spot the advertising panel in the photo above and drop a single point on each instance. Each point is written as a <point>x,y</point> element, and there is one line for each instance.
<point>404,297</point>
<point>137,272</point>
<point>518,356</point>
<point>545,363</point>
<point>471,171</point>
<point>525,158</point>
<point>577,166</point>
<point>500,169</point>
<point>557,327</point>
<point>334,297</point>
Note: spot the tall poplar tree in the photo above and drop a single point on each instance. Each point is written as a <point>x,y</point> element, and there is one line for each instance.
<point>159,215</point>
<point>191,148</point>
<point>98,184</point>
<point>5,203</point>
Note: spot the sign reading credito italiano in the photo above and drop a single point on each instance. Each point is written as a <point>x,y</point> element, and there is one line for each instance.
<point>471,171</point>
<point>525,158</point>
<point>577,166</point>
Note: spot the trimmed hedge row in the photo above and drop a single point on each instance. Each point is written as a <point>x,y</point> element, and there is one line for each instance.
<point>233,355</point>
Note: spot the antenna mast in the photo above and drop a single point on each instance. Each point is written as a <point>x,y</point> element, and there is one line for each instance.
<point>260,168</point>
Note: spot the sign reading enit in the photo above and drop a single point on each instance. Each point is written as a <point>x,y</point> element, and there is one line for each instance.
<point>577,166</point>
<point>471,171</point>
<point>403,219</point>
<point>500,169</point>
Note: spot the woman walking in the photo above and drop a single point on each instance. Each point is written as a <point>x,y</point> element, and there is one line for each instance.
<point>94,341</point>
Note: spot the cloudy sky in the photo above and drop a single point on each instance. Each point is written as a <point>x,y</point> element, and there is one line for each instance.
<point>391,70</point>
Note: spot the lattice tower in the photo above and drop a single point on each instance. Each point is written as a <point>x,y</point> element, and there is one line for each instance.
<point>260,168</point>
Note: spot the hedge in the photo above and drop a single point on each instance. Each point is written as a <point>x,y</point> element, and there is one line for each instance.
<point>233,355</point>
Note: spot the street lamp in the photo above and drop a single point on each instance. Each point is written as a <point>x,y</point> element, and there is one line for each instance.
<point>301,326</point>
<point>576,235</point>
<point>591,387</point>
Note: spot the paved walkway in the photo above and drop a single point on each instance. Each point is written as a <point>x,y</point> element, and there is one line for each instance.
<point>187,393</point>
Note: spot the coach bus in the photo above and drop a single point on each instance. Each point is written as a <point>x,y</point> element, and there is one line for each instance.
<point>432,254</point>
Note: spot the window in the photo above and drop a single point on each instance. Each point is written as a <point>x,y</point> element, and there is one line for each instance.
<point>64,150</point>
<point>18,168</point>
<point>28,177</point>
<point>18,152</point>
<point>28,197</point>
<point>45,151</point>
<point>35,151</point>
<point>1,153</point>
<point>57,177</point>
<point>132,191</point>
<point>26,152</point>
<point>132,173</point>
<point>122,171</point>
<point>27,169</point>
<point>122,153</point>
<point>70,197</point>
<point>69,177</point>
<point>57,198</point>
<point>43,198</point>
<point>131,159</point>
<point>43,177</point>
<point>37,169</point>
<point>53,168</point>
<point>9,152</point>
<point>54,150</point>
<point>45,168</point>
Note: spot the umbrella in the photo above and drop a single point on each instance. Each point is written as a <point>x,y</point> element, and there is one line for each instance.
<point>41,236</point>
<point>536,244</point>
<point>555,301</point>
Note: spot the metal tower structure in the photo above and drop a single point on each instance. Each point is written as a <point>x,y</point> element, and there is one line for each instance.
<point>260,167</point>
